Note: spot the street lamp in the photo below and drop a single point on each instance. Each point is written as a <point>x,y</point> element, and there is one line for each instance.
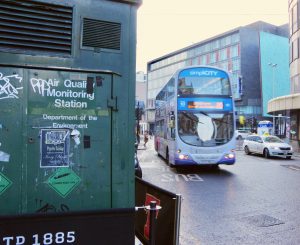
<point>273,66</point>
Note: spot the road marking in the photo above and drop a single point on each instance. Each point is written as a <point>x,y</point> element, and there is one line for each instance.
<point>293,167</point>
<point>167,175</point>
<point>180,177</point>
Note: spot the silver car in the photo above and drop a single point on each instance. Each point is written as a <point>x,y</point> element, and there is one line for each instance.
<point>267,146</point>
<point>241,133</point>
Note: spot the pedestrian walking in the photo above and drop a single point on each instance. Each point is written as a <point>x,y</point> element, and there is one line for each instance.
<point>146,138</point>
<point>150,134</point>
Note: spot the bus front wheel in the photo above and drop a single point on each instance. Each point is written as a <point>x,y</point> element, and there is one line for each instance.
<point>168,159</point>
<point>214,166</point>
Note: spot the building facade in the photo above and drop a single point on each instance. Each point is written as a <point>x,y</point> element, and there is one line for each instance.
<point>275,78</point>
<point>287,108</point>
<point>140,101</point>
<point>236,51</point>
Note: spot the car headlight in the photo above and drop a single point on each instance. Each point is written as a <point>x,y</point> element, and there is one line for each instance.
<point>274,147</point>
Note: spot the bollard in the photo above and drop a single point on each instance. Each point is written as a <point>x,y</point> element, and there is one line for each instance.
<point>151,210</point>
<point>152,223</point>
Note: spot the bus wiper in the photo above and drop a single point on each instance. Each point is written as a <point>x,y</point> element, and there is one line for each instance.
<point>220,140</point>
<point>205,114</point>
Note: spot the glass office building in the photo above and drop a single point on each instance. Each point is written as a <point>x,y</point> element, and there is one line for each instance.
<point>236,51</point>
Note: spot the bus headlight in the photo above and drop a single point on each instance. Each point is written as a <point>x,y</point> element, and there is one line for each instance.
<point>229,156</point>
<point>183,157</point>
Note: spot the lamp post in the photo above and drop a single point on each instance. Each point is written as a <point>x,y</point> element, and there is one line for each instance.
<point>273,66</point>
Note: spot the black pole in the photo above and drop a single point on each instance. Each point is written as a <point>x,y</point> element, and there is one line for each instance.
<point>152,223</point>
<point>138,122</point>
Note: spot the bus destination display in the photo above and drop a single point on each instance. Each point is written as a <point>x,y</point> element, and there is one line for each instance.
<point>207,104</point>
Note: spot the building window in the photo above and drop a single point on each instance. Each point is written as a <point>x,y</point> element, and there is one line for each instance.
<point>206,47</point>
<point>215,44</point>
<point>213,57</point>
<point>225,41</point>
<point>295,22</point>
<point>291,21</point>
<point>197,50</point>
<point>234,51</point>
<point>291,53</point>
<point>235,38</point>
<point>295,50</point>
<point>235,65</point>
<point>229,66</point>
<point>298,48</point>
<point>294,18</point>
<point>191,53</point>
<point>294,126</point>
<point>203,60</point>
<point>298,4</point>
<point>295,84</point>
<point>195,61</point>
<point>223,54</point>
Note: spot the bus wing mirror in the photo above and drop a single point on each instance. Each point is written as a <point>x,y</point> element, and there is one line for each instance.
<point>172,124</point>
<point>172,120</point>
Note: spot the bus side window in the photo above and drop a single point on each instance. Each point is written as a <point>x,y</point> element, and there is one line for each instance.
<point>165,131</point>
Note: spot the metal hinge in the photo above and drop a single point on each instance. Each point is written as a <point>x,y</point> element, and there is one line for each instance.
<point>113,103</point>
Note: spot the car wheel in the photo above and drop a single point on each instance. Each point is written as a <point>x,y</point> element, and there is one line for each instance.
<point>289,157</point>
<point>246,149</point>
<point>239,137</point>
<point>266,153</point>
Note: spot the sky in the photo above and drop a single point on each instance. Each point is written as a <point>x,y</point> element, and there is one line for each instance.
<point>164,26</point>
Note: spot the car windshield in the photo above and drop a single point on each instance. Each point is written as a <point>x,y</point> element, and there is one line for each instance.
<point>205,129</point>
<point>243,131</point>
<point>272,139</point>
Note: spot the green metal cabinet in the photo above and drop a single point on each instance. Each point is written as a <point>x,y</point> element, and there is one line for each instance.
<point>56,135</point>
